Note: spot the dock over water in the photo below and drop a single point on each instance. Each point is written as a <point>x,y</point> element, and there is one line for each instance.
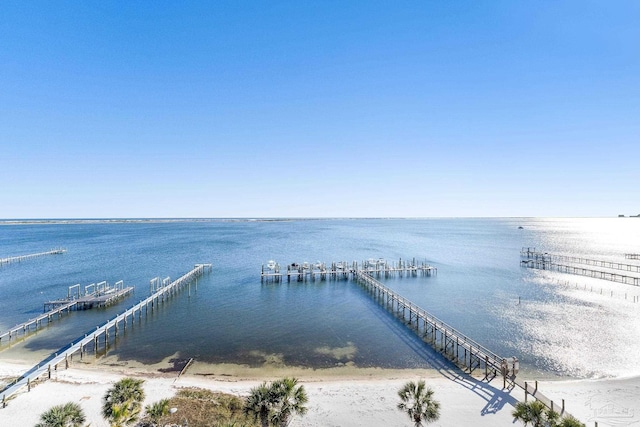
<point>455,346</point>
<point>21,258</point>
<point>101,333</point>
<point>95,295</point>
<point>345,270</point>
<point>99,296</point>
<point>598,269</point>
<point>452,344</point>
<point>458,348</point>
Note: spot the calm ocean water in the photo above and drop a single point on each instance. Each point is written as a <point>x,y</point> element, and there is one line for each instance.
<point>555,330</point>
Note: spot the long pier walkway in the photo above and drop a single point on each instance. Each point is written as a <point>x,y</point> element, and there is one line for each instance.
<point>452,344</point>
<point>532,254</point>
<point>21,258</point>
<point>102,332</point>
<point>563,264</point>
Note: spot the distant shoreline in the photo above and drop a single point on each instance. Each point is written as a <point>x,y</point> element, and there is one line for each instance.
<point>130,220</point>
<point>44,221</point>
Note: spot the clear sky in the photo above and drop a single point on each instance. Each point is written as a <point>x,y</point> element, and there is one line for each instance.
<point>314,109</point>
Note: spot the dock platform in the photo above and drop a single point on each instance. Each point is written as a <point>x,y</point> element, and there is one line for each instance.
<point>90,301</point>
<point>345,270</point>
<point>66,353</point>
<point>101,296</point>
<point>452,344</point>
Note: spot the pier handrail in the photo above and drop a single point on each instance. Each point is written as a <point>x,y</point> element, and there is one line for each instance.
<point>37,319</point>
<point>19,258</point>
<point>579,260</point>
<point>547,263</point>
<point>431,318</point>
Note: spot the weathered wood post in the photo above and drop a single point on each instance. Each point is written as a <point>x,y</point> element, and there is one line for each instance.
<point>486,367</point>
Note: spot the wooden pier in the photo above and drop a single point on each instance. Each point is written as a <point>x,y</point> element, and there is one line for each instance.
<point>532,254</point>
<point>104,296</point>
<point>36,322</point>
<point>345,270</point>
<point>531,389</point>
<point>21,258</point>
<point>561,263</point>
<point>101,295</point>
<point>101,333</point>
<point>454,345</point>
<point>458,348</point>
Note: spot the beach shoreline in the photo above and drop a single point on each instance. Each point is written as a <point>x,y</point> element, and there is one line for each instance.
<point>341,396</point>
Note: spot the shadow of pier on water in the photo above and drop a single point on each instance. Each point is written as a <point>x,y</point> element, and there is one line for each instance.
<point>496,397</point>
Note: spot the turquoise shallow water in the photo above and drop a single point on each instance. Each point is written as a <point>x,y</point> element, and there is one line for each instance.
<point>233,317</point>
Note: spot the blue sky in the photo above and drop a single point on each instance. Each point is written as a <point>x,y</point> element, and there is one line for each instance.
<point>315,109</point>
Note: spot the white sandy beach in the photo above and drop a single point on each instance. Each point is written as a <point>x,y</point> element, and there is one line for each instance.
<point>366,400</point>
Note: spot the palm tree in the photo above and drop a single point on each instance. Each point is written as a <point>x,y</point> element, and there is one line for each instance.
<point>277,402</point>
<point>259,404</point>
<point>418,403</point>
<point>67,415</point>
<point>157,410</point>
<point>533,413</point>
<point>290,400</point>
<point>123,402</point>
<point>536,414</point>
<point>570,421</point>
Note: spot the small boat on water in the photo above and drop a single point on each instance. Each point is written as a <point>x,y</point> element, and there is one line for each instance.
<point>271,264</point>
